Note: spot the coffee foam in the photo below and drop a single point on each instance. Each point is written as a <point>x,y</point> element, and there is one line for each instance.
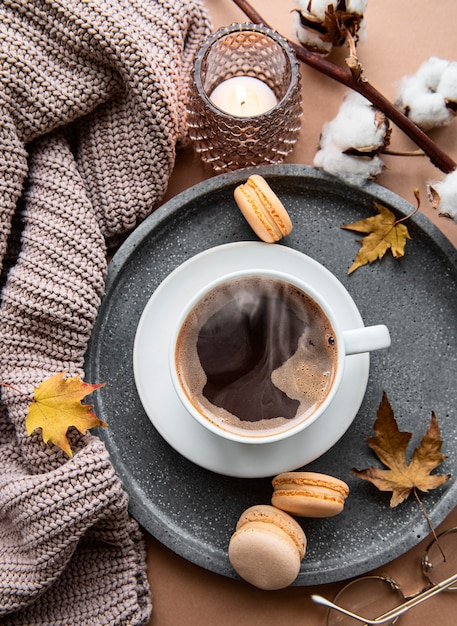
<point>305,377</point>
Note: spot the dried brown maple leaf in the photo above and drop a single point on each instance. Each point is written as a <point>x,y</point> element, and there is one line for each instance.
<point>390,445</point>
<point>384,231</point>
<point>56,406</point>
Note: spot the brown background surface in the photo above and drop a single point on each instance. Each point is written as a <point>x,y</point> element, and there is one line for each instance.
<point>400,36</point>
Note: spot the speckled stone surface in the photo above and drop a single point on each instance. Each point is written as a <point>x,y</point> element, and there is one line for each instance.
<point>194,511</point>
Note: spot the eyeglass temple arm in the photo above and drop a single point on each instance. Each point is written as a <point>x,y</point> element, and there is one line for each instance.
<point>428,593</point>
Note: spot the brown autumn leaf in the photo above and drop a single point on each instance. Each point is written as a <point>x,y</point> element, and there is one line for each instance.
<point>56,406</point>
<point>384,232</point>
<point>390,445</point>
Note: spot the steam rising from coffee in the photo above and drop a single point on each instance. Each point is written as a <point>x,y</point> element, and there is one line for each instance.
<point>242,345</point>
<point>256,354</point>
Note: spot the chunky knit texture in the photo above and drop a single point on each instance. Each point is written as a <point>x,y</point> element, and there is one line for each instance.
<point>92,105</point>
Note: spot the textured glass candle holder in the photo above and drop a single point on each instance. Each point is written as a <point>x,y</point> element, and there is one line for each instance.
<point>228,141</point>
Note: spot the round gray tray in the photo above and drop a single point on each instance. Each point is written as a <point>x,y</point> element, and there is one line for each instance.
<point>194,511</point>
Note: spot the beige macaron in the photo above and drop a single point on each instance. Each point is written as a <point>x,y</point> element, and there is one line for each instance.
<point>267,547</point>
<point>309,494</point>
<point>262,209</point>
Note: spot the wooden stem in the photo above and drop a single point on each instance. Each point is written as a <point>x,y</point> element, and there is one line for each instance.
<point>437,156</point>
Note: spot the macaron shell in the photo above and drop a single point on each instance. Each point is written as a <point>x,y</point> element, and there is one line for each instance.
<point>255,217</point>
<point>262,209</point>
<point>307,504</point>
<point>273,207</point>
<point>264,555</point>
<point>276,517</point>
<point>309,494</point>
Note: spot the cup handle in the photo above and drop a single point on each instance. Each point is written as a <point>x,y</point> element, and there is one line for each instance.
<point>366,338</point>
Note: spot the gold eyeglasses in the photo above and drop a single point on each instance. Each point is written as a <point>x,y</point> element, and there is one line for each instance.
<point>380,600</point>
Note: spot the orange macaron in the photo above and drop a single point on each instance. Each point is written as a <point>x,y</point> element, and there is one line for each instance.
<point>267,547</point>
<point>309,494</point>
<point>262,209</point>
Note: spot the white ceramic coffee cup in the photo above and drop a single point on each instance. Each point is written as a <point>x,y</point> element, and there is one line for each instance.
<point>348,341</point>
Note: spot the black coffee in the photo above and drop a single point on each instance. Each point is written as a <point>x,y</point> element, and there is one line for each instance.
<point>256,354</point>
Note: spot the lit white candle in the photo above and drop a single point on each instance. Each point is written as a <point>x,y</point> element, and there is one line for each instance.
<point>243,96</point>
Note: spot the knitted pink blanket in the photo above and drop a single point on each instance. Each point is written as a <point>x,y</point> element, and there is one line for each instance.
<point>92,105</point>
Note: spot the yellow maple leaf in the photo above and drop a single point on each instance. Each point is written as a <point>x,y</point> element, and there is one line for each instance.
<point>390,445</point>
<point>56,406</point>
<point>384,232</point>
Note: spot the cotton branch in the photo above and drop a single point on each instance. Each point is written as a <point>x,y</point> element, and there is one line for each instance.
<point>439,158</point>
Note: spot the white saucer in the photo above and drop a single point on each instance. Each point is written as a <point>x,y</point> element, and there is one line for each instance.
<point>162,405</point>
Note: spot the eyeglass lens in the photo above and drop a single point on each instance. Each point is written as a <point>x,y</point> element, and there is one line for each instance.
<point>370,596</point>
<point>440,559</point>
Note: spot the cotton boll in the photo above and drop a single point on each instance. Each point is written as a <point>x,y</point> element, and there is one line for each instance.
<point>357,125</point>
<point>319,7</point>
<point>430,72</point>
<point>353,170</point>
<point>447,85</point>
<point>427,110</point>
<point>430,111</point>
<point>443,195</point>
<point>310,38</point>
<point>321,24</point>
<point>316,8</point>
<point>429,96</point>
<point>357,6</point>
<point>350,143</point>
